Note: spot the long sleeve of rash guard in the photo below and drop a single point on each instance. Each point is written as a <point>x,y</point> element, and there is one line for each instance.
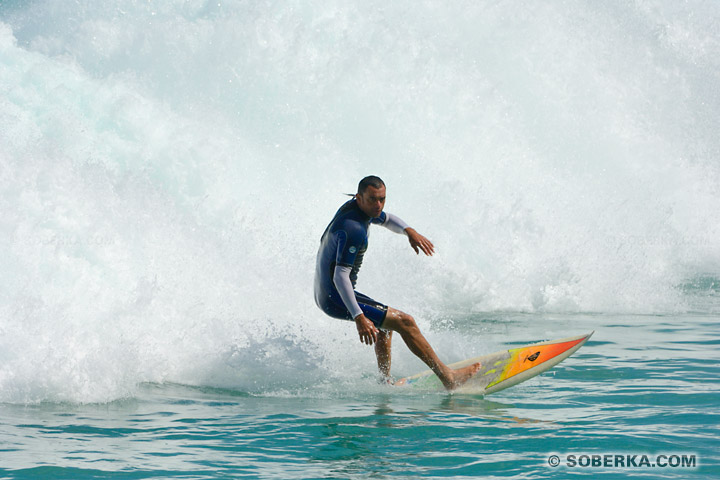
<point>341,279</point>
<point>394,224</point>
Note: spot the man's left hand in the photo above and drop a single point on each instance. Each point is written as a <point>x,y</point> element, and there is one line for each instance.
<point>418,242</point>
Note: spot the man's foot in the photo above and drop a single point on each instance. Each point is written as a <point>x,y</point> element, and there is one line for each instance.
<point>460,376</point>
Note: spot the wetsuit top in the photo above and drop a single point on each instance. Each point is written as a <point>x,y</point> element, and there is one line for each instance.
<point>343,244</point>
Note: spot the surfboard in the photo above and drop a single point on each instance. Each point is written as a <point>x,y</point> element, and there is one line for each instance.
<point>506,368</point>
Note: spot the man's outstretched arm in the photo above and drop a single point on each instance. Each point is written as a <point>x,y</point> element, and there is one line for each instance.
<point>417,241</point>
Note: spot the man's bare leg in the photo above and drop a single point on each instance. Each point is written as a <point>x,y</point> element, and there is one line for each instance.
<point>405,325</point>
<point>383,353</point>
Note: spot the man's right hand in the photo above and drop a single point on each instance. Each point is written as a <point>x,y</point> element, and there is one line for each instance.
<point>366,329</point>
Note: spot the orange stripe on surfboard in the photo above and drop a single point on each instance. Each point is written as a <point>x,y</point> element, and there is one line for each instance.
<point>525,358</point>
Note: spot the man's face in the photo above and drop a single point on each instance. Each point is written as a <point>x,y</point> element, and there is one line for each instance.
<point>372,201</point>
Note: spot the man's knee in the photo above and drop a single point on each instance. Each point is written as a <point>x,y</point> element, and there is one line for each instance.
<point>401,321</point>
<point>384,335</point>
<point>408,321</point>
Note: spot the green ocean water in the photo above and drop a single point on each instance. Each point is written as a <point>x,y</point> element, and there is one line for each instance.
<point>643,385</point>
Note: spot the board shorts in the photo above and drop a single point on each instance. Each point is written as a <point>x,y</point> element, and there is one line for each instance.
<point>372,309</point>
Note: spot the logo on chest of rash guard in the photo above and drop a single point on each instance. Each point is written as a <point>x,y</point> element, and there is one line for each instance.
<point>353,249</point>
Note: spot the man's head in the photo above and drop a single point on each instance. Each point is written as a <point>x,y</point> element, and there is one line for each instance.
<point>371,196</point>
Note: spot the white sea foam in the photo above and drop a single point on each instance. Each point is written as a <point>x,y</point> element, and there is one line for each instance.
<point>166,170</point>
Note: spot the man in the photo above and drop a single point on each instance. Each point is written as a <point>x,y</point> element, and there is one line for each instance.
<point>341,252</point>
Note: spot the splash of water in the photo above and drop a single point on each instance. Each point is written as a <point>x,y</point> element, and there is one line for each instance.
<point>166,170</point>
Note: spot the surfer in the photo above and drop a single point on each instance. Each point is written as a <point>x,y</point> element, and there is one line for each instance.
<point>342,247</point>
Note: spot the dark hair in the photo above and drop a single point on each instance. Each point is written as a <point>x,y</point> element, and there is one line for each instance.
<point>371,181</point>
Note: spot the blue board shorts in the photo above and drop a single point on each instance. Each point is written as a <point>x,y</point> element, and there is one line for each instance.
<point>373,310</point>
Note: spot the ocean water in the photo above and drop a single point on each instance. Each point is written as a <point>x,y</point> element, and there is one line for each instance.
<point>167,169</point>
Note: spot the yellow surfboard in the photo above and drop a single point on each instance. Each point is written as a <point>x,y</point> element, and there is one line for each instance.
<point>504,369</point>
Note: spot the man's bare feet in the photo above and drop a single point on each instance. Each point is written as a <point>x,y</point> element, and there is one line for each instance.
<point>460,376</point>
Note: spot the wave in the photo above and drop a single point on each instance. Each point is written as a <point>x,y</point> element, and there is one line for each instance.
<point>166,170</point>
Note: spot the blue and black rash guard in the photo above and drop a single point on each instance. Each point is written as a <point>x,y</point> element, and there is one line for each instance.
<point>342,247</point>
